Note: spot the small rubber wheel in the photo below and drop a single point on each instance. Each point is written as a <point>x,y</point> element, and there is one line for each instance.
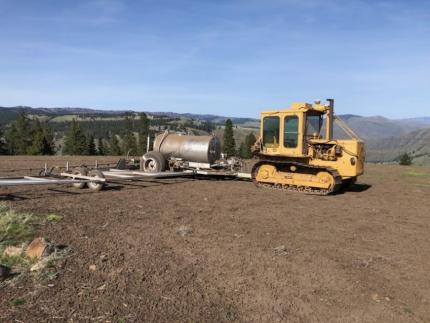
<point>96,186</point>
<point>153,162</point>
<point>83,171</point>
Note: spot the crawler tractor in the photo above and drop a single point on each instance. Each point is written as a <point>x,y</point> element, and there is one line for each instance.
<point>297,152</point>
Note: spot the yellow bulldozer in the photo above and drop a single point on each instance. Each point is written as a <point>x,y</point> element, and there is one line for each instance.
<point>297,151</point>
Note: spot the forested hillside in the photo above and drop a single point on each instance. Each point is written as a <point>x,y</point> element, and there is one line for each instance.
<point>73,131</point>
<point>386,139</point>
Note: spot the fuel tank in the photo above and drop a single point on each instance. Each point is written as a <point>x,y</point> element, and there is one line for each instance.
<point>201,149</point>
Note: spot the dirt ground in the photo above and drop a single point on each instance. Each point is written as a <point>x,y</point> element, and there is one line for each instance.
<point>189,250</point>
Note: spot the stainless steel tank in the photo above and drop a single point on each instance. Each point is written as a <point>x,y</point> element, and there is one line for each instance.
<point>201,149</point>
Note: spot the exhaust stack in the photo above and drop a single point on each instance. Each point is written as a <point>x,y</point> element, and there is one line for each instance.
<point>330,118</point>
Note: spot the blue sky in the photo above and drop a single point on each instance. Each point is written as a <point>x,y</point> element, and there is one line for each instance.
<point>227,57</point>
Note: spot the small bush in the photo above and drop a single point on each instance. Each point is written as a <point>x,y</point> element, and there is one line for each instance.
<point>54,218</point>
<point>15,227</point>
<point>405,159</point>
<point>17,261</point>
<point>18,302</point>
<point>417,174</point>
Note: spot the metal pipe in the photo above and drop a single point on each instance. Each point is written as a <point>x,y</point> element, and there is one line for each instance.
<point>82,177</point>
<point>26,181</point>
<point>139,175</point>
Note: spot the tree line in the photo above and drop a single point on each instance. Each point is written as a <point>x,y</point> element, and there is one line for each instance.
<point>27,136</point>
<point>77,142</point>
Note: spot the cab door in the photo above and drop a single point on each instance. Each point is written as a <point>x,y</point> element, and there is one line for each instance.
<point>271,129</point>
<point>292,134</point>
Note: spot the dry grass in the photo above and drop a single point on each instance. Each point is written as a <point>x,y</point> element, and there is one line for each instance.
<point>17,229</point>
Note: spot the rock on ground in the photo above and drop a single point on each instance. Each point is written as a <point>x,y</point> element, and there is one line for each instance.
<point>4,272</point>
<point>12,251</point>
<point>38,248</point>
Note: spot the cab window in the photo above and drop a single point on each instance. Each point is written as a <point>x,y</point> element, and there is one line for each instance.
<point>291,131</point>
<point>271,132</point>
<point>313,125</point>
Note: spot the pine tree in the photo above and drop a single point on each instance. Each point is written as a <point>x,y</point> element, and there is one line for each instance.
<point>2,144</point>
<point>229,148</point>
<point>143,133</point>
<point>245,147</point>
<point>11,138</point>
<point>90,146</point>
<point>24,133</point>
<point>208,126</point>
<point>42,140</point>
<point>19,136</point>
<point>48,148</point>
<point>241,152</point>
<point>129,144</point>
<point>114,148</point>
<point>100,147</point>
<point>75,141</point>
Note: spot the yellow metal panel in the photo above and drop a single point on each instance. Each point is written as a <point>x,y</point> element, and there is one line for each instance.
<point>350,164</point>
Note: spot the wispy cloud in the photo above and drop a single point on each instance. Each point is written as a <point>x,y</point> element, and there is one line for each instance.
<point>92,13</point>
<point>97,12</point>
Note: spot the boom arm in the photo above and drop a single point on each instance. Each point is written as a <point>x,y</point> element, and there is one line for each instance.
<point>342,124</point>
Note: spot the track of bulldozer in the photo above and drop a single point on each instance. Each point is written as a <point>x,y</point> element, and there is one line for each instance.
<point>297,188</point>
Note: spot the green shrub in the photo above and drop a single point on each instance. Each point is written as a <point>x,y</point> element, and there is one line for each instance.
<point>405,159</point>
<point>15,227</point>
<point>54,217</point>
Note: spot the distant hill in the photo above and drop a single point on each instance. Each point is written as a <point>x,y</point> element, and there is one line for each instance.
<point>424,121</point>
<point>416,143</point>
<point>9,114</point>
<point>209,117</point>
<point>378,127</point>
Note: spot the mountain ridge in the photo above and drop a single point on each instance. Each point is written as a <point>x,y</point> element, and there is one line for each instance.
<point>425,120</point>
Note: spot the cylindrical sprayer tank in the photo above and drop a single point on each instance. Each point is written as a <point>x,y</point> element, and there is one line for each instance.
<point>201,149</point>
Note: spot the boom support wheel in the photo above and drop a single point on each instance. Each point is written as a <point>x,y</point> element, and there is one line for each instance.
<point>153,162</point>
<point>80,171</point>
<point>95,186</point>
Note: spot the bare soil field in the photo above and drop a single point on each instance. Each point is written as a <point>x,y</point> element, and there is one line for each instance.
<point>189,250</point>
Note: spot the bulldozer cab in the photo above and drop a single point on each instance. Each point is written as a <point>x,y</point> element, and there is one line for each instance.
<point>287,132</point>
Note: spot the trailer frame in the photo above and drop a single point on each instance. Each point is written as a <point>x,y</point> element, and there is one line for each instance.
<point>45,180</point>
<point>96,178</point>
